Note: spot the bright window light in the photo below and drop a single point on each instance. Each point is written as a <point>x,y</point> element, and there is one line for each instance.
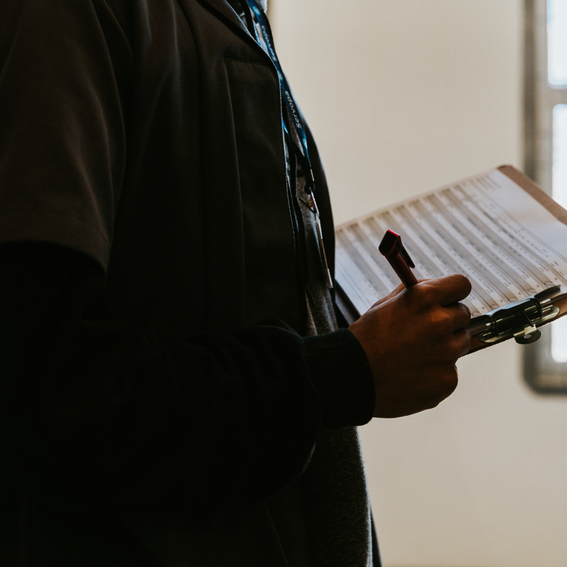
<point>560,153</point>
<point>559,328</point>
<point>559,340</point>
<point>557,42</point>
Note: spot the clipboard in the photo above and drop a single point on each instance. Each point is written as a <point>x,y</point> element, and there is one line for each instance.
<point>519,320</point>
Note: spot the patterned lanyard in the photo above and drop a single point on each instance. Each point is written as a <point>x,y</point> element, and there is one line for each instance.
<point>303,152</point>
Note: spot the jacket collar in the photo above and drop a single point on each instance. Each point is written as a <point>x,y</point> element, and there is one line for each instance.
<point>225,12</point>
<point>224,9</point>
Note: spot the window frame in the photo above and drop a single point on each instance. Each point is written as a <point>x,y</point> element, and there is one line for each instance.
<point>541,372</point>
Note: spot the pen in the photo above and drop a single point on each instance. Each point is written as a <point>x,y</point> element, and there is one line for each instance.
<point>392,248</point>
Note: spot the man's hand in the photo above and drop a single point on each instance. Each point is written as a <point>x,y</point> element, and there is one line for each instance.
<point>412,339</point>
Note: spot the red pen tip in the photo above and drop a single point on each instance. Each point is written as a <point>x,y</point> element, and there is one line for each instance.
<point>391,244</point>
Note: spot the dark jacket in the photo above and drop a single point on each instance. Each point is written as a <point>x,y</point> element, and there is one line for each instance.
<point>159,400</point>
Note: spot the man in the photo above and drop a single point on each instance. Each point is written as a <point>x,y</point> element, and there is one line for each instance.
<point>175,389</point>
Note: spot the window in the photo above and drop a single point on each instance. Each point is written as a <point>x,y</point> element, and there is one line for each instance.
<point>546,159</point>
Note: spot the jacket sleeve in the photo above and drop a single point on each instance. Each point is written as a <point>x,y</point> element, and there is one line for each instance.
<point>97,412</point>
<point>63,90</point>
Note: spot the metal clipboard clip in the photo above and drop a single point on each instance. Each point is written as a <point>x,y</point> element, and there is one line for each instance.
<point>519,319</point>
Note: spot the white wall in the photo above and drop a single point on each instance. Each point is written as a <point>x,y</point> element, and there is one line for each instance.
<point>404,96</point>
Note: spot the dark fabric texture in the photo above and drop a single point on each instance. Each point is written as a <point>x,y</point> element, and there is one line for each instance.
<point>157,400</point>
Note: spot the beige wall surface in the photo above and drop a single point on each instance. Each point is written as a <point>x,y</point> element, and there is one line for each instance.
<point>404,96</point>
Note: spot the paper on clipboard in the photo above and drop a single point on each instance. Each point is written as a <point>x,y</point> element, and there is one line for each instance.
<point>497,228</point>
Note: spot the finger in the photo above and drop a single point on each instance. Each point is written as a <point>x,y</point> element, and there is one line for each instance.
<point>392,294</point>
<point>449,289</point>
<point>446,385</point>
<point>462,342</point>
<point>460,315</point>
